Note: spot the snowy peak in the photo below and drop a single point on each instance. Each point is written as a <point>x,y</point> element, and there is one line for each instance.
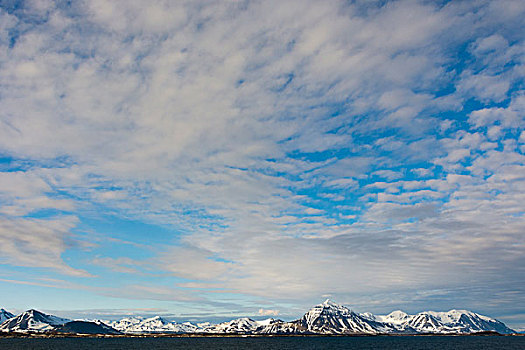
<point>156,321</point>
<point>398,320</point>
<point>267,322</point>
<point>455,316</point>
<point>450,322</point>
<point>239,325</point>
<point>243,325</point>
<point>32,320</point>
<point>328,307</point>
<point>330,303</point>
<point>157,324</point>
<point>397,316</point>
<point>5,315</point>
<point>125,323</point>
<point>332,318</point>
<point>463,321</point>
<point>333,307</point>
<point>425,323</point>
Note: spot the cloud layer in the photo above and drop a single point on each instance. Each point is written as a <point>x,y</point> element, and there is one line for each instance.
<point>286,151</point>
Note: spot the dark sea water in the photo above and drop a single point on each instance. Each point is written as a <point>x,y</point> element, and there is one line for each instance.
<point>287,343</point>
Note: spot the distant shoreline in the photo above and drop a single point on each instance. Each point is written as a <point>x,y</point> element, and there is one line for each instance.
<point>36,335</point>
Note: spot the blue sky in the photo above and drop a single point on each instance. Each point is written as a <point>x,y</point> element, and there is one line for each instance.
<point>215,159</point>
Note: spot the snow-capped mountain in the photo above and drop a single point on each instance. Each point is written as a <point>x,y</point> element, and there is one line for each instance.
<point>125,323</point>
<point>398,320</point>
<point>456,321</point>
<point>157,324</point>
<point>395,317</point>
<point>325,318</point>
<point>332,318</point>
<point>453,321</point>
<point>32,320</point>
<point>242,325</point>
<point>5,315</point>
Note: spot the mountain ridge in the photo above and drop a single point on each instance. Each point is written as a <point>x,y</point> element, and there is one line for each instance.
<point>327,318</point>
<point>32,320</point>
<point>5,315</point>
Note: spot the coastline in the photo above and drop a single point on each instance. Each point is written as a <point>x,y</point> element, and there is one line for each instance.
<point>43,335</point>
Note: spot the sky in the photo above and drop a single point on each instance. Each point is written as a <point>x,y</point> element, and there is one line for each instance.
<point>214,159</point>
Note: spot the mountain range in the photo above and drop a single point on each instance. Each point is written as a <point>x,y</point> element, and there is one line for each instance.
<point>325,318</point>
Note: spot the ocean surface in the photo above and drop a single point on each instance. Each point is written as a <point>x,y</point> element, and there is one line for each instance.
<point>286,343</point>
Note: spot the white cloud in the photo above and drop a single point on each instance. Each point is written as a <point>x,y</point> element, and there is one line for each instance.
<point>38,243</point>
<point>313,211</point>
<point>342,183</point>
<point>202,116</point>
<point>268,312</point>
<point>192,263</point>
<point>485,87</point>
